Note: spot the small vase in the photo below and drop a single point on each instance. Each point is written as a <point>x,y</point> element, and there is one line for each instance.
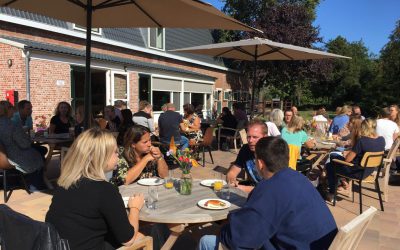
<point>185,187</point>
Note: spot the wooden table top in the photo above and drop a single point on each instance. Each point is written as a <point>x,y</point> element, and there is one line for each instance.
<point>175,208</point>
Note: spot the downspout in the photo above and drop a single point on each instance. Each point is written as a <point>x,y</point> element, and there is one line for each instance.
<point>27,75</point>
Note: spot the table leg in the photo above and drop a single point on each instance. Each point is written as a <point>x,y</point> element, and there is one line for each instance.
<point>176,231</point>
<point>46,164</point>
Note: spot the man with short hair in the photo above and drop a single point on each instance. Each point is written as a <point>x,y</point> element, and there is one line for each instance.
<point>284,211</point>
<point>168,124</point>
<point>288,115</point>
<point>386,128</point>
<point>356,110</point>
<point>246,159</point>
<point>23,117</point>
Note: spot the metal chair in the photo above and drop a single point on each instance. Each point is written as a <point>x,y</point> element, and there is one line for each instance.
<point>369,160</point>
<point>7,169</point>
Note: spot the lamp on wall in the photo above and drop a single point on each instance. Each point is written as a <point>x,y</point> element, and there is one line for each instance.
<point>125,68</point>
<point>9,63</point>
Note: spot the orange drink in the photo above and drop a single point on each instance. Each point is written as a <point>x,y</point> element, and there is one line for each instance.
<point>218,185</point>
<point>169,183</point>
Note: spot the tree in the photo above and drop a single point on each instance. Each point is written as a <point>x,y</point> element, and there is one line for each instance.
<point>390,67</point>
<point>286,21</point>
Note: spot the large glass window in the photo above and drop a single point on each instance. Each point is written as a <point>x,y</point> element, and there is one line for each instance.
<point>197,99</point>
<point>177,100</point>
<point>156,38</point>
<point>186,98</point>
<point>160,98</point>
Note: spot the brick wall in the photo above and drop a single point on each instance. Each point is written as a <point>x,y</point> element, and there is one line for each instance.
<point>44,74</point>
<point>45,94</point>
<point>12,77</point>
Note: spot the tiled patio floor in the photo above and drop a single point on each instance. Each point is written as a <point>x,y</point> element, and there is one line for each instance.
<point>383,232</point>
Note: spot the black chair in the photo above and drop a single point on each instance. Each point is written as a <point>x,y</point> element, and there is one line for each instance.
<point>370,160</point>
<point>8,170</point>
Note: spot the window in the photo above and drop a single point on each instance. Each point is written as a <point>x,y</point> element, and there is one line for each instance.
<point>177,100</point>
<point>186,98</point>
<point>208,101</point>
<point>227,95</point>
<point>198,99</point>
<point>160,98</point>
<point>156,38</point>
<point>96,31</point>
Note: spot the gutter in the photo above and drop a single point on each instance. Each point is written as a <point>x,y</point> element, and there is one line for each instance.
<point>27,75</point>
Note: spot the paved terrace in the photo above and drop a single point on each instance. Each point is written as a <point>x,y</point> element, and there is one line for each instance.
<point>383,232</point>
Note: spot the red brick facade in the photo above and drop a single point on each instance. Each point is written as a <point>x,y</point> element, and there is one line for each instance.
<point>44,74</point>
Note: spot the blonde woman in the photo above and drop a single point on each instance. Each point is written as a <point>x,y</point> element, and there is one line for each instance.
<point>296,137</point>
<point>369,141</point>
<point>340,120</point>
<point>86,210</point>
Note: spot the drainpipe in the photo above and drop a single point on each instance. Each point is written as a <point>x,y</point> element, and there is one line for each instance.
<point>27,75</point>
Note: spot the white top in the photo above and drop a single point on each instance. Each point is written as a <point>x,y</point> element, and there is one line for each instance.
<point>272,129</point>
<point>319,118</point>
<point>386,128</point>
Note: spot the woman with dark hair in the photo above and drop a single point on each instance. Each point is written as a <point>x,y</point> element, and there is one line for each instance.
<point>62,119</point>
<point>125,125</point>
<point>190,125</point>
<point>138,159</point>
<point>227,120</point>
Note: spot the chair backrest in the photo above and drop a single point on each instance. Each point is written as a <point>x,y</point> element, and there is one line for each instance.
<point>393,150</point>
<point>350,235</point>
<point>372,159</point>
<point>64,151</point>
<point>145,243</point>
<point>243,136</point>
<point>241,124</point>
<point>208,136</point>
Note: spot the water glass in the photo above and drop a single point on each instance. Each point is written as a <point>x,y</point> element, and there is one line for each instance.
<point>226,192</point>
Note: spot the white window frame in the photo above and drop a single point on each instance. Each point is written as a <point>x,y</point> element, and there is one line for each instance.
<point>100,32</point>
<point>230,95</point>
<point>111,90</point>
<point>163,42</point>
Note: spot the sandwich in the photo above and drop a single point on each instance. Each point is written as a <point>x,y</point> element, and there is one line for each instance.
<point>214,204</point>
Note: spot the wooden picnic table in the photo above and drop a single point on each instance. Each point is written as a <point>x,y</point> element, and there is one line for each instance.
<point>181,210</point>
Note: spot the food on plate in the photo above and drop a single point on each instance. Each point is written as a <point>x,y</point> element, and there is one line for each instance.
<point>214,204</point>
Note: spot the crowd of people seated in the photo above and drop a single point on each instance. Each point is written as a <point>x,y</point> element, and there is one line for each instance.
<point>87,208</point>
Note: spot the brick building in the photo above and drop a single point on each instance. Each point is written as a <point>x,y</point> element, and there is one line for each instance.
<point>43,60</point>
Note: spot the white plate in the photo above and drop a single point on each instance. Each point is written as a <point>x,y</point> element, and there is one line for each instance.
<point>328,143</point>
<point>151,182</point>
<point>202,204</point>
<point>210,182</point>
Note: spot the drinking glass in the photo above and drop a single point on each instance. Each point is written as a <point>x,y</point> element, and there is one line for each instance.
<point>218,182</point>
<point>152,198</point>
<point>169,181</point>
<point>226,192</point>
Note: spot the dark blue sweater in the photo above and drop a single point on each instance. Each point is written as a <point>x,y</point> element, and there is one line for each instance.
<point>283,212</point>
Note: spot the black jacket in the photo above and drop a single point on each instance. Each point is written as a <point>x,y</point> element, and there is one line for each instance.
<point>19,232</point>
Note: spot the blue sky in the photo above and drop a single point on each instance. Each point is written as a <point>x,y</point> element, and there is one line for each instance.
<point>371,21</point>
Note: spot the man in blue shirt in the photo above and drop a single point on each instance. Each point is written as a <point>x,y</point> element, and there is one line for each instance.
<point>246,159</point>
<point>284,211</point>
<point>23,117</point>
